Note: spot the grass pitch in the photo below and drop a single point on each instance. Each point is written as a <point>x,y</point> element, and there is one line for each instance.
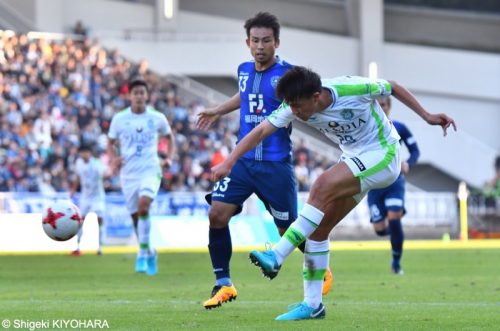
<point>441,290</point>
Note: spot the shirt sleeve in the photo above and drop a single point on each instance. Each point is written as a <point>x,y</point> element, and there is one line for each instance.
<point>364,88</point>
<point>113,128</point>
<point>164,128</point>
<point>282,116</point>
<point>409,142</point>
<point>380,88</point>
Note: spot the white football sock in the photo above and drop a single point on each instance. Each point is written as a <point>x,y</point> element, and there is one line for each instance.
<point>316,261</point>
<point>143,228</point>
<point>308,220</point>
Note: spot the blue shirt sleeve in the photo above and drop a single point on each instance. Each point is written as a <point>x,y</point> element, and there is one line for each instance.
<point>409,141</point>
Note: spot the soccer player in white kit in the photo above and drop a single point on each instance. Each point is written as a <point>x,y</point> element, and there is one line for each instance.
<point>90,173</point>
<point>135,131</point>
<point>346,111</point>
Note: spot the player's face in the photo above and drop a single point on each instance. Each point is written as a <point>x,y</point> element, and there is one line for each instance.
<point>262,45</point>
<point>304,108</point>
<point>85,155</point>
<point>138,97</point>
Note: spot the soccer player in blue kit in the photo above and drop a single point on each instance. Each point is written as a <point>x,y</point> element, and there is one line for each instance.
<point>267,169</point>
<point>388,203</point>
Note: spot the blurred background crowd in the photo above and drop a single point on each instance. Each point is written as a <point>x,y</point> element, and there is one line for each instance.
<point>56,95</point>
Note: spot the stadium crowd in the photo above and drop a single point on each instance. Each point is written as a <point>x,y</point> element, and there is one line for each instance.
<point>57,95</point>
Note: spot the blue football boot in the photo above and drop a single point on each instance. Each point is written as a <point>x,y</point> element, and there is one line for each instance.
<point>302,311</point>
<point>152,264</point>
<point>141,265</point>
<point>266,261</point>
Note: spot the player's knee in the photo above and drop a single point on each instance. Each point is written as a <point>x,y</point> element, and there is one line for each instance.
<point>320,234</point>
<point>142,213</point>
<point>381,232</point>
<point>324,191</point>
<point>143,207</point>
<point>218,218</point>
<point>395,215</point>
<point>380,228</point>
<point>317,196</point>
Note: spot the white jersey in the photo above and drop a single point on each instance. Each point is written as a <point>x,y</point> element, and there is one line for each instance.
<point>91,178</point>
<point>138,137</point>
<point>354,120</point>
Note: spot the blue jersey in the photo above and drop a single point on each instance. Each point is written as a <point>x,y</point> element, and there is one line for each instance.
<point>409,141</point>
<point>258,101</point>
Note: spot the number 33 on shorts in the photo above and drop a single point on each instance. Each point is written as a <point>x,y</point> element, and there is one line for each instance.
<point>222,184</point>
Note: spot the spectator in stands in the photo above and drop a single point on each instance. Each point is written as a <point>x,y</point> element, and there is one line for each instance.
<point>492,188</point>
<point>79,29</point>
<point>302,172</point>
<point>496,178</point>
<point>51,91</point>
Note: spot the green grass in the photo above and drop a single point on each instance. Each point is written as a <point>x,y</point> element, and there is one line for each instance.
<point>441,290</point>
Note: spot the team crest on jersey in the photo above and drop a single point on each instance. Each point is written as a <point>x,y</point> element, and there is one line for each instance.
<point>333,124</point>
<point>151,124</point>
<point>274,81</point>
<point>347,114</point>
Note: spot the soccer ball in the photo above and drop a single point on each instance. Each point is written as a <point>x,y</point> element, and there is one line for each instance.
<point>62,220</point>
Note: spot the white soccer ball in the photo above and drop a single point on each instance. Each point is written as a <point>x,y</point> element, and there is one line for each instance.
<point>62,220</point>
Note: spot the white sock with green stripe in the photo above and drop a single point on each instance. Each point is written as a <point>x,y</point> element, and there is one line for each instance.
<point>308,220</point>
<point>143,227</point>
<point>316,260</point>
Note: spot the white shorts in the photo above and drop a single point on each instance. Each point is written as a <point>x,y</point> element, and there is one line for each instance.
<point>375,169</point>
<point>95,205</point>
<point>134,188</point>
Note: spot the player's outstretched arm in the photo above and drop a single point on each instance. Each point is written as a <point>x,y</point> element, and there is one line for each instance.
<point>406,97</point>
<point>259,133</point>
<point>207,117</point>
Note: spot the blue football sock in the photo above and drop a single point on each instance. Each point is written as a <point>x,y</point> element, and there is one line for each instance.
<point>397,238</point>
<point>225,281</point>
<point>221,249</point>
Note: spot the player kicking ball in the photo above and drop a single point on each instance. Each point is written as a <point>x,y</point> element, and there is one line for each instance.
<point>346,111</point>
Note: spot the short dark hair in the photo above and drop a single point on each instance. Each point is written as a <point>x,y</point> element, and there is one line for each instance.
<point>137,82</point>
<point>497,163</point>
<point>85,148</point>
<point>264,20</point>
<point>298,83</point>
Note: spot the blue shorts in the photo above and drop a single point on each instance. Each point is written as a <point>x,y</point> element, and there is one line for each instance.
<point>391,198</point>
<point>272,181</point>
